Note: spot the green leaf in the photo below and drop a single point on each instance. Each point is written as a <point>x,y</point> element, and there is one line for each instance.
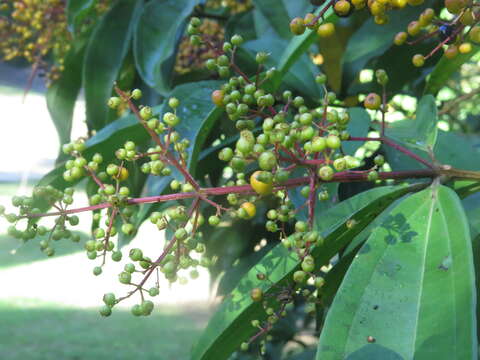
<point>421,132</point>
<point>451,148</point>
<point>62,94</point>
<point>77,10</point>
<point>363,46</point>
<point>359,125</point>
<point>298,46</point>
<point>156,38</point>
<point>445,68</point>
<point>411,287</point>
<point>276,14</point>
<point>230,325</point>
<point>104,56</point>
<point>426,123</point>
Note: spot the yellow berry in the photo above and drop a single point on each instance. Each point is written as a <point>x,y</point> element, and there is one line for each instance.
<point>250,209</point>
<point>418,60</point>
<point>326,30</point>
<point>260,187</point>
<point>400,38</point>
<point>465,48</point>
<point>122,174</point>
<point>451,52</point>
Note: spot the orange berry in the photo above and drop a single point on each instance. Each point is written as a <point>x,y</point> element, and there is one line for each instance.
<point>250,209</point>
<point>451,52</point>
<point>217,97</point>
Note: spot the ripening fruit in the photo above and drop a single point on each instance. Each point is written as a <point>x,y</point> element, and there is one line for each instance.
<point>373,101</point>
<point>465,48</point>
<point>343,8</point>
<point>256,294</point>
<point>451,52</point>
<point>249,208</point>
<point>455,6</point>
<point>261,188</point>
<point>297,26</point>
<point>326,30</point>
<point>414,28</point>
<point>418,60</point>
<point>400,38</point>
<point>475,34</point>
<point>326,173</point>
<point>217,97</point>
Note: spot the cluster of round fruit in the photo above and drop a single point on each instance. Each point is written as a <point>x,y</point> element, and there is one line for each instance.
<point>343,8</point>
<point>192,58</point>
<point>234,6</point>
<point>37,29</point>
<point>34,29</point>
<point>42,196</point>
<point>455,36</point>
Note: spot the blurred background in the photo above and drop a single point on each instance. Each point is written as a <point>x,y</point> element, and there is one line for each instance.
<point>49,306</point>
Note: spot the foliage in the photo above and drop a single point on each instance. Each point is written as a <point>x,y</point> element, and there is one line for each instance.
<point>273,143</point>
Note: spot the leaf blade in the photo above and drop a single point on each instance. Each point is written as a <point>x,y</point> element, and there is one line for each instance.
<point>401,286</point>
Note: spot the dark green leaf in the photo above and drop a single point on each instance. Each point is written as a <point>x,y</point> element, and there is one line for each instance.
<point>156,38</point>
<point>104,56</point>
<point>445,68</point>
<point>62,94</point>
<point>231,323</point>
<point>276,14</point>
<point>298,46</point>
<point>77,10</point>
<point>411,287</point>
<point>358,126</point>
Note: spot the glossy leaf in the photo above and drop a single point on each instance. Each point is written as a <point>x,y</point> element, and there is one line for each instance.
<point>104,56</point>
<point>231,323</point>
<point>410,288</point>
<point>362,46</point>
<point>276,14</point>
<point>298,46</point>
<point>421,132</point>
<point>62,94</point>
<point>77,10</point>
<point>451,148</point>
<point>156,38</point>
<point>359,125</point>
<point>445,69</point>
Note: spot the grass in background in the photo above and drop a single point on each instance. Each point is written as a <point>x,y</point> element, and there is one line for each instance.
<point>44,331</point>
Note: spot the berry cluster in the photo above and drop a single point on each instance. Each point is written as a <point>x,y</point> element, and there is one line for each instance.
<point>36,30</point>
<point>455,36</point>
<point>279,134</point>
<point>234,6</point>
<point>343,8</point>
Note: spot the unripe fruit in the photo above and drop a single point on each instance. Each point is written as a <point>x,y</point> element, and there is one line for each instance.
<point>237,40</point>
<point>109,299</point>
<point>146,112</point>
<point>136,310</point>
<point>300,276</point>
<point>136,94</point>
<point>400,38</point>
<point>125,277</point>
<point>246,142</point>
<point>297,26</point>
<point>379,160</point>
<point>260,187</point>
<point>326,173</point>
<point>171,119</point>
<point>318,144</point>
<point>455,6</point>
<point>105,311</point>
<point>214,220</point>
<point>333,142</point>
<point>267,161</point>
<point>256,294</point>
<point>114,102</point>
<point>373,101</point>
<point>136,254</point>
<point>475,34</point>
<point>249,208</point>
<point>326,30</point>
